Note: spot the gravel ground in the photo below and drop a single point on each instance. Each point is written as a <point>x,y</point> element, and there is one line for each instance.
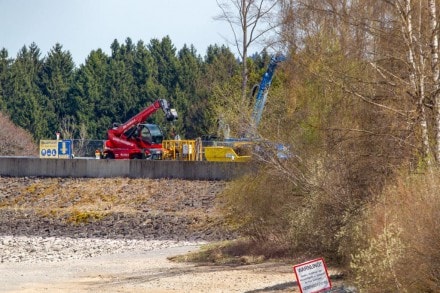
<point>125,250</point>
<point>54,249</point>
<point>115,235</point>
<point>35,264</point>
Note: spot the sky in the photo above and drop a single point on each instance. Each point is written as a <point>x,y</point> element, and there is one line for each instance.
<point>81,26</point>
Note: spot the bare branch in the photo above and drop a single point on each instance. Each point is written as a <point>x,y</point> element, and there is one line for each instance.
<point>365,99</point>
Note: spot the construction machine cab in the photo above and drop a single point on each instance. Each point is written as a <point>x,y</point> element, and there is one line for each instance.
<point>135,139</point>
<point>150,133</point>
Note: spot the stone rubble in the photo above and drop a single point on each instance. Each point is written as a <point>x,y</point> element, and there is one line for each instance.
<point>112,216</point>
<point>37,249</point>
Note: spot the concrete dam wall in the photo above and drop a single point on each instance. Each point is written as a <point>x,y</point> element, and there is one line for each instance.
<point>98,168</point>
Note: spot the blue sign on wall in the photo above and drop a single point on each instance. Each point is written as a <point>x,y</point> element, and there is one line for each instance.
<point>65,149</point>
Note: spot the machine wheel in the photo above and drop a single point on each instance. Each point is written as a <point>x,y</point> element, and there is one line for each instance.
<point>110,156</point>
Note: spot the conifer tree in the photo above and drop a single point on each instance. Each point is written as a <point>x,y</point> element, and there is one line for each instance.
<point>25,102</point>
<point>120,82</point>
<point>5,64</point>
<point>56,81</point>
<point>89,91</point>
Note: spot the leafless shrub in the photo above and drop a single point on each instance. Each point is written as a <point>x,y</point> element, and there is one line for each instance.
<point>68,127</point>
<point>15,141</point>
<point>259,207</point>
<point>399,238</point>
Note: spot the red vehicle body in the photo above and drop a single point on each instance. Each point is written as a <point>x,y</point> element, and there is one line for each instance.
<point>135,139</point>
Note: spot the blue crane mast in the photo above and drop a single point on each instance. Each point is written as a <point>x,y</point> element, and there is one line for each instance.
<point>263,88</point>
<point>230,149</point>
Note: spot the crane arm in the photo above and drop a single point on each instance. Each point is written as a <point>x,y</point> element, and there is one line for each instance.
<point>170,115</point>
<point>263,89</point>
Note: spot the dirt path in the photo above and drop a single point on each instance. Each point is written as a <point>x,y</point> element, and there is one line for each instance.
<point>143,271</point>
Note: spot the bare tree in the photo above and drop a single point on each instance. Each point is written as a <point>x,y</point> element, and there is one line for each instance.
<point>82,137</point>
<point>395,46</point>
<point>418,21</point>
<point>68,127</point>
<point>250,22</point>
<point>15,141</point>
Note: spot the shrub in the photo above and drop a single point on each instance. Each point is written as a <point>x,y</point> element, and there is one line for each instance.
<point>399,237</point>
<point>15,141</point>
<point>259,206</point>
<point>285,219</point>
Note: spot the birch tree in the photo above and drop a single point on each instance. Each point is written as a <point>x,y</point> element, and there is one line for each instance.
<point>250,21</point>
<point>436,70</point>
<point>394,44</point>
<point>419,25</point>
<point>416,47</point>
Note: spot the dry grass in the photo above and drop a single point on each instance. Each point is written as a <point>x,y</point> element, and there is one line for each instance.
<point>79,217</point>
<point>236,252</point>
<point>90,199</point>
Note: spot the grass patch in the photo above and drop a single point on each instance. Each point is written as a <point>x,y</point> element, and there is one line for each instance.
<point>80,217</point>
<point>234,252</point>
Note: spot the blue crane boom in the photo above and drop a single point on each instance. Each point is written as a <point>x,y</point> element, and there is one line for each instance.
<point>236,149</point>
<point>263,89</point>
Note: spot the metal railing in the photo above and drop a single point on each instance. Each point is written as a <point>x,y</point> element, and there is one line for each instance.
<point>86,147</point>
<point>185,150</point>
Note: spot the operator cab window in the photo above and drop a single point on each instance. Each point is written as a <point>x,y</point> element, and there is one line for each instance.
<point>145,134</point>
<point>151,133</point>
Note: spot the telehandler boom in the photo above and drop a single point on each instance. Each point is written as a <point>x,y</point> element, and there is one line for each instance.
<point>135,139</point>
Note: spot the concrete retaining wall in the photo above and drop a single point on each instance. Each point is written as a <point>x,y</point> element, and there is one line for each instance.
<point>23,166</point>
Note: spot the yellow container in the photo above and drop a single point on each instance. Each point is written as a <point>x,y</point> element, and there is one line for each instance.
<point>224,154</point>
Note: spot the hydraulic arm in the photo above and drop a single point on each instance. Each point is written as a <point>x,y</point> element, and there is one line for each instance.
<point>134,139</point>
<point>263,88</point>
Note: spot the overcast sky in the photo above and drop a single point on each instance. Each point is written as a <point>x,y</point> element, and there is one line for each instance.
<point>81,26</point>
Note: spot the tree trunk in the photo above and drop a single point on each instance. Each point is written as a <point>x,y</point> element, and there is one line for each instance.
<point>244,12</point>
<point>417,73</point>
<point>435,74</point>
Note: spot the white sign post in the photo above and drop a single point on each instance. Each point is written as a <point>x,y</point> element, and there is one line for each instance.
<point>312,276</point>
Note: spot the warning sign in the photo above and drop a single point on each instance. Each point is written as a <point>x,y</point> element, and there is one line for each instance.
<point>48,149</point>
<point>312,276</point>
<point>56,149</point>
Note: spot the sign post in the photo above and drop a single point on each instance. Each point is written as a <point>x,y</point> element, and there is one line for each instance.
<point>312,276</point>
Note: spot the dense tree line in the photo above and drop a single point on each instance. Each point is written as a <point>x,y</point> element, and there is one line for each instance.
<point>48,94</point>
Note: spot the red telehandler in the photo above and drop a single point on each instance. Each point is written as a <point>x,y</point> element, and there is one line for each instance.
<point>135,139</point>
